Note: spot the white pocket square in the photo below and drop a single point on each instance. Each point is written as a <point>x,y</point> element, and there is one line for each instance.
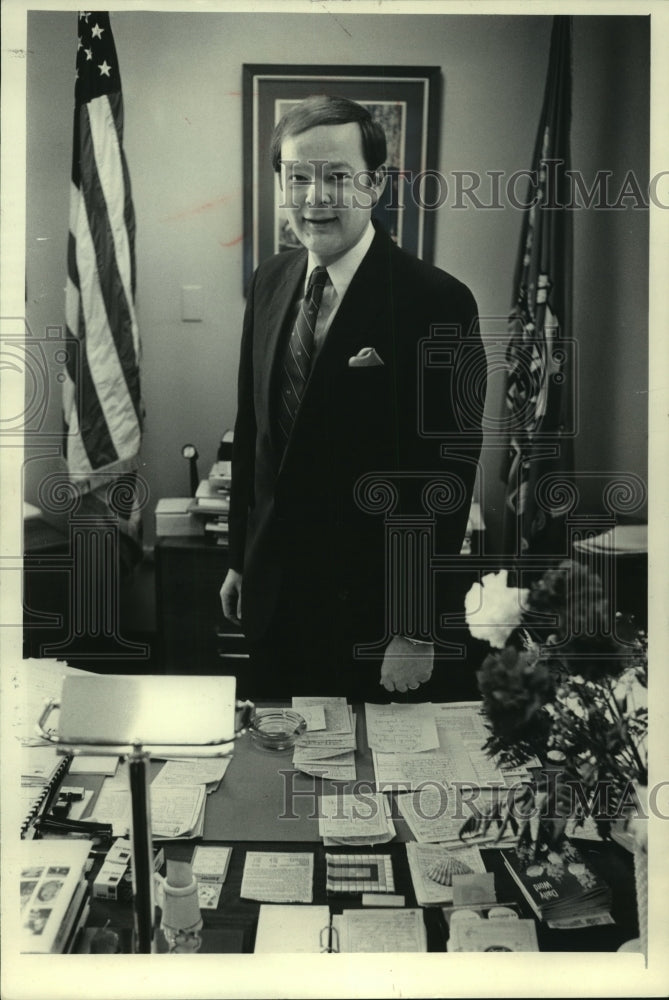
<point>365,358</point>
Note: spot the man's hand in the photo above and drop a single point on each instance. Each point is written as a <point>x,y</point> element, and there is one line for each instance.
<point>406,666</point>
<point>231,597</point>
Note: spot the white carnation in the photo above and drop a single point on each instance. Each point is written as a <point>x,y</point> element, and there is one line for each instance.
<point>493,610</point>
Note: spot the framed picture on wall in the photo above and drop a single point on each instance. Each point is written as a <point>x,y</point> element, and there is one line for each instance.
<point>403,99</point>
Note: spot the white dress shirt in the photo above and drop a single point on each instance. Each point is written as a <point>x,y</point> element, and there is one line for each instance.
<point>340,274</point>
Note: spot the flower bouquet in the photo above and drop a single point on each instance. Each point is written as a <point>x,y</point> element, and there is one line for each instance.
<point>565,681</point>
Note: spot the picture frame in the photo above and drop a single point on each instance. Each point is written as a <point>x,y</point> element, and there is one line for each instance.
<point>404,99</point>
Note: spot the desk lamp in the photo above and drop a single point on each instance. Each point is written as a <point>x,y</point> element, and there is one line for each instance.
<point>189,452</point>
<point>134,716</point>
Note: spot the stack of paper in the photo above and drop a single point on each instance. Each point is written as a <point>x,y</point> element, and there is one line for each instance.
<point>437,813</point>
<point>207,771</point>
<point>401,728</point>
<point>355,819</point>
<point>38,763</point>
<point>442,744</point>
<point>177,811</point>
<point>380,930</point>
<point>327,748</point>
<point>38,766</point>
<point>210,499</point>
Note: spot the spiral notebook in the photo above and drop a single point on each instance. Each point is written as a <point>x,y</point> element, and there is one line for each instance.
<point>44,797</point>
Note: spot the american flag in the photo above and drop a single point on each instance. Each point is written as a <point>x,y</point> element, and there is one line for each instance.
<point>538,399</point>
<point>101,393</point>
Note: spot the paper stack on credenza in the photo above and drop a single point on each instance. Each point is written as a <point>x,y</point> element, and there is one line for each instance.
<point>211,505</point>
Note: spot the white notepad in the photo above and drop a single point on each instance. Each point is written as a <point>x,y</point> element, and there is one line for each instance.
<point>292,929</point>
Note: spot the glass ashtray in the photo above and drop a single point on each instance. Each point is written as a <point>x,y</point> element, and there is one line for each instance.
<point>276,728</point>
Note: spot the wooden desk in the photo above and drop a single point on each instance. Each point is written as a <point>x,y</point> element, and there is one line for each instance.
<point>234,913</point>
<point>249,812</point>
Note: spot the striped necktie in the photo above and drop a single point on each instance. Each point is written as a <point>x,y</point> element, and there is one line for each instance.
<point>299,352</point>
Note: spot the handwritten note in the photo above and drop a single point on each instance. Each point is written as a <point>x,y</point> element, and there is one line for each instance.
<point>113,806</point>
<point>381,930</point>
<point>436,814</point>
<point>313,747</point>
<point>462,717</point>
<point>339,768</point>
<point>207,771</point>
<point>405,757</point>
<point>406,771</point>
<point>355,817</point>
<point>177,811</point>
<point>433,814</point>
<point>337,714</point>
<point>314,716</point>
<point>401,728</point>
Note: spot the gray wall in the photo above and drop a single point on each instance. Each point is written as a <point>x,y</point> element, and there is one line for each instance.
<point>183,143</point>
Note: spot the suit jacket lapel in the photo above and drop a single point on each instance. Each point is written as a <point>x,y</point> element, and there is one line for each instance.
<point>280,305</point>
<point>362,320</point>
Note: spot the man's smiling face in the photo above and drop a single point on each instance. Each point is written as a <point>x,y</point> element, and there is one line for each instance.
<point>325,187</point>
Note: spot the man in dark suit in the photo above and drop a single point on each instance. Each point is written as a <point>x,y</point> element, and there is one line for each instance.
<point>345,432</point>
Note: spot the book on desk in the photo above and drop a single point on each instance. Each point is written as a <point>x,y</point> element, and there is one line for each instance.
<point>557,885</point>
<point>55,895</point>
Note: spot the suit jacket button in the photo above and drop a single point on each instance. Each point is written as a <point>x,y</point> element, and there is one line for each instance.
<point>343,594</point>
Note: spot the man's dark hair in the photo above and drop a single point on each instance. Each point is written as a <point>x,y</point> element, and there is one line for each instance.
<point>324,110</point>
